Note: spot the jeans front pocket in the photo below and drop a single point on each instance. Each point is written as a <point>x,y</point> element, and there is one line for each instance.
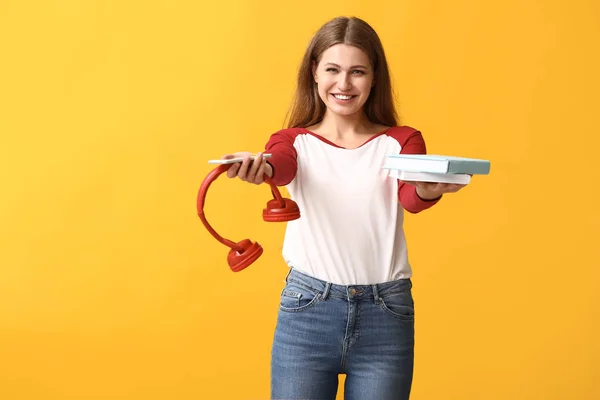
<point>296,297</point>
<point>399,305</point>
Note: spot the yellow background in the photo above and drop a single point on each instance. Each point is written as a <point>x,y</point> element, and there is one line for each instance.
<point>110,288</point>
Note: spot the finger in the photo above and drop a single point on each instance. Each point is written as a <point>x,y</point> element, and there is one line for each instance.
<point>452,187</point>
<point>227,157</point>
<point>243,172</point>
<point>254,167</point>
<point>233,170</point>
<point>260,174</point>
<point>426,185</point>
<point>241,154</point>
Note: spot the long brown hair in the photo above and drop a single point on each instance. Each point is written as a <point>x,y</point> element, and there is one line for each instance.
<point>307,107</point>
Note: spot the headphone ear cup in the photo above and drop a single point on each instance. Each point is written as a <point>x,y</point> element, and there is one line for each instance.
<point>251,251</point>
<point>275,213</point>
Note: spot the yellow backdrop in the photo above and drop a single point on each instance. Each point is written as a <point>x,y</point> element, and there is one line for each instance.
<point>110,288</point>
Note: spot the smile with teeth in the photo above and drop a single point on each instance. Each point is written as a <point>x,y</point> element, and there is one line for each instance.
<point>342,96</point>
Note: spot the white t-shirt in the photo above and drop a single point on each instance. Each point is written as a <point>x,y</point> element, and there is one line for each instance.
<point>352,211</point>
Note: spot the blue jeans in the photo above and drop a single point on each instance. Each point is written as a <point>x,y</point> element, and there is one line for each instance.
<point>365,332</point>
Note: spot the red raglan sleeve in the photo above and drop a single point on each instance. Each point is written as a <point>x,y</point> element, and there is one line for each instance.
<point>412,142</point>
<point>284,157</point>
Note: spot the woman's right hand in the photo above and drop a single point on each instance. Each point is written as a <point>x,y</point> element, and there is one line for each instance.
<point>249,170</point>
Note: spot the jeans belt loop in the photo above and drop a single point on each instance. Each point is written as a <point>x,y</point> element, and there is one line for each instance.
<point>376,294</point>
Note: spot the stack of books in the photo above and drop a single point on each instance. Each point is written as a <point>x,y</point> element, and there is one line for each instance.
<point>434,168</point>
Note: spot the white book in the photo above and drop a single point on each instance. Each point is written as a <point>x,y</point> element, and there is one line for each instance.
<point>436,163</point>
<point>415,176</point>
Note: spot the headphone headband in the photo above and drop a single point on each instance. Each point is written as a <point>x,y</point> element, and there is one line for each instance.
<point>245,252</point>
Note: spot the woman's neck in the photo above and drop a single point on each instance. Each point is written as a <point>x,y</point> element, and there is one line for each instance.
<point>346,130</point>
<point>342,127</point>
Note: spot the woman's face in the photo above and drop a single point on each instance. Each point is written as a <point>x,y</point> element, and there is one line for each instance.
<point>344,77</point>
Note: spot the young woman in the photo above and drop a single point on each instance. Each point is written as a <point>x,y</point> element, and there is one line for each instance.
<point>347,305</point>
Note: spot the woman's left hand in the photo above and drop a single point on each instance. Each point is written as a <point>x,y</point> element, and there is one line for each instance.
<point>433,190</point>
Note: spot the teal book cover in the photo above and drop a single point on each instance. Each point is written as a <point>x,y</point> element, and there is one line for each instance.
<point>437,163</point>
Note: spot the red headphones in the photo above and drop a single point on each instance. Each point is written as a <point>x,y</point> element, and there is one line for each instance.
<point>245,252</point>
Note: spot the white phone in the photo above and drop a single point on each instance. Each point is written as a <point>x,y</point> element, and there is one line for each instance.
<point>236,160</point>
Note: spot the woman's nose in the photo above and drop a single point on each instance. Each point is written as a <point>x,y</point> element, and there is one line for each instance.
<point>344,82</point>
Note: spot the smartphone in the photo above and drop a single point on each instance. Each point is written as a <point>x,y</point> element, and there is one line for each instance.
<point>236,160</point>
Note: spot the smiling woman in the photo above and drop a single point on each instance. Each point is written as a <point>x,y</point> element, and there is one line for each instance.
<point>347,252</point>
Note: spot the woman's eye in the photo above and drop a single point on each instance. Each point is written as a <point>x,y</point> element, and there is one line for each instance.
<point>354,72</point>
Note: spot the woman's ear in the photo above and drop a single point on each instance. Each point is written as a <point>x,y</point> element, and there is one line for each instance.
<point>314,71</point>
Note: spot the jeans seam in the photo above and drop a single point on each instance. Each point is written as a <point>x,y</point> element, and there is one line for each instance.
<point>305,286</point>
<point>396,315</point>
<point>349,337</point>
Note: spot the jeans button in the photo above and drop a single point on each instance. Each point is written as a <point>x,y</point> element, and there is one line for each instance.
<point>352,292</point>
